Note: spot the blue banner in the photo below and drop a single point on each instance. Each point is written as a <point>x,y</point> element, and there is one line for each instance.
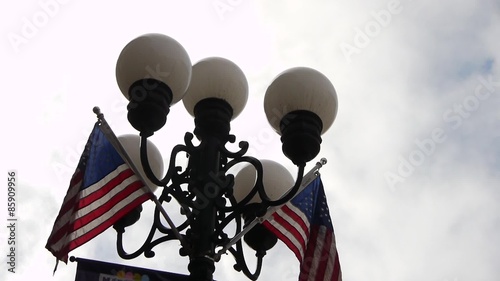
<point>91,270</point>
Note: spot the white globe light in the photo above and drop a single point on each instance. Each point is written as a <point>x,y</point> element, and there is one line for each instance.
<point>277,181</point>
<point>131,144</point>
<point>155,56</point>
<point>301,88</point>
<point>217,78</point>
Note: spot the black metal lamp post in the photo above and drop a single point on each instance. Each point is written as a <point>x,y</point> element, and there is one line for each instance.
<point>154,72</point>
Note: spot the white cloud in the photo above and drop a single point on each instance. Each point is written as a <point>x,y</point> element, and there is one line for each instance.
<point>439,224</point>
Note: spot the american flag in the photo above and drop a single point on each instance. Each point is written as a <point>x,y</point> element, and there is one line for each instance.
<point>304,225</point>
<point>102,190</point>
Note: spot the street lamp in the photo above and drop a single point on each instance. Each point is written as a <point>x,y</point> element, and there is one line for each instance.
<point>154,72</point>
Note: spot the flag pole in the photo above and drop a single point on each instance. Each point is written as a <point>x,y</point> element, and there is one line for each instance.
<point>306,180</point>
<point>119,148</point>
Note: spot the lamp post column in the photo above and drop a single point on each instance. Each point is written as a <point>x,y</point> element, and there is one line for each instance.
<point>201,234</point>
<point>212,117</point>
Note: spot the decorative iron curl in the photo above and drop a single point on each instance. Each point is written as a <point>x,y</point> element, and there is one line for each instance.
<point>241,264</point>
<point>149,243</point>
<point>172,168</point>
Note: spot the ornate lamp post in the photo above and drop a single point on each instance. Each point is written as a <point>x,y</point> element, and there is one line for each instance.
<point>300,104</point>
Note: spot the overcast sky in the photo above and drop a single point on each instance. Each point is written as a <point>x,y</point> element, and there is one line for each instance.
<point>413,171</point>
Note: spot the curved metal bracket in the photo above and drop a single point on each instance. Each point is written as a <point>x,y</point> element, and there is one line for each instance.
<point>241,264</point>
